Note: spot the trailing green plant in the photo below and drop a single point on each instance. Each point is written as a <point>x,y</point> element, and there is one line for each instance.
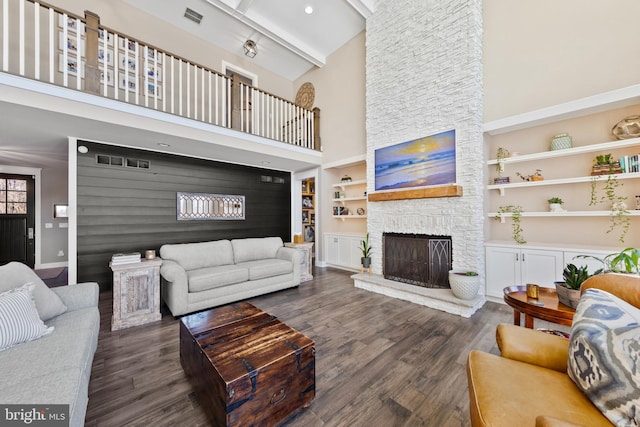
<point>365,248</point>
<point>625,261</point>
<point>516,215</point>
<point>574,276</point>
<point>557,200</point>
<point>619,213</point>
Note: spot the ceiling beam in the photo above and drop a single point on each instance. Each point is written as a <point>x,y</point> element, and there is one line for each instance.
<point>366,8</point>
<point>243,6</point>
<point>274,33</point>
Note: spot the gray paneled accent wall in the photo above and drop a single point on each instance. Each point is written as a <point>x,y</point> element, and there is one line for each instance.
<point>126,209</point>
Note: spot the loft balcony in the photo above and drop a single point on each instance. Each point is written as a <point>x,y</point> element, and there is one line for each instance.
<point>50,46</point>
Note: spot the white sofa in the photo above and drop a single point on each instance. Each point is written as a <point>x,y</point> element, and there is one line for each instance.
<point>55,368</point>
<point>196,276</point>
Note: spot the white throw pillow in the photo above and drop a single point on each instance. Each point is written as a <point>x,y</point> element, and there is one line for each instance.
<point>19,320</point>
<point>48,303</point>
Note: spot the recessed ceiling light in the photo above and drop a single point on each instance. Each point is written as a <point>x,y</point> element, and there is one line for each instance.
<point>82,149</point>
<point>308,10</point>
<point>162,144</point>
<point>265,162</point>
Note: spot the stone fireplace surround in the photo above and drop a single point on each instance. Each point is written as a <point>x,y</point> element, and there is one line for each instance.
<point>409,96</point>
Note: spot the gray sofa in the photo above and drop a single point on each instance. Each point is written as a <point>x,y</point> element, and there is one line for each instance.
<point>55,368</point>
<point>196,276</point>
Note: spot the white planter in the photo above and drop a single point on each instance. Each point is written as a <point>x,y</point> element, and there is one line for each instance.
<point>556,207</point>
<point>463,286</point>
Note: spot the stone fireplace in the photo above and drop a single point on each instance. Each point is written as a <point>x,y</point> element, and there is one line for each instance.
<point>411,95</point>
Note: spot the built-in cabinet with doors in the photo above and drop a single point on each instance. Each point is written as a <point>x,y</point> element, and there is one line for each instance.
<point>522,148</point>
<point>342,250</point>
<point>512,264</point>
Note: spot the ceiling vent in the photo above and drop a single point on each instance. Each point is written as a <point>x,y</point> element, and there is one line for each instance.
<point>193,15</point>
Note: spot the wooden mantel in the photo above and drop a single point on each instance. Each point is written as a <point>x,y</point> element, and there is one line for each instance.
<point>417,193</point>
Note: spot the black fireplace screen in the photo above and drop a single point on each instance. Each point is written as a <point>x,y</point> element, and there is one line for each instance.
<point>417,259</point>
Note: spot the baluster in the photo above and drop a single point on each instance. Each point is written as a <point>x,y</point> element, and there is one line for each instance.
<point>36,37</point>
<point>145,70</point>
<point>203,95</point>
<point>188,70</point>
<point>80,64</point>
<point>164,86</point>
<point>65,53</point>
<point>137,72</point>
<point>52,58</point>
<point>210,100</point>
<point>116,66</point>
<point>5,35</point>
<point>21,28</point>
<point>180,87</point>
<point>195,92</point>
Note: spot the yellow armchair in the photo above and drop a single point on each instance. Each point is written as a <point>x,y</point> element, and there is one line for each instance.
<point>528,384</point>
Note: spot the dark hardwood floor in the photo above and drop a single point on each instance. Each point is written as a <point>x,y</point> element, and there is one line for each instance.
<point>379,361</point>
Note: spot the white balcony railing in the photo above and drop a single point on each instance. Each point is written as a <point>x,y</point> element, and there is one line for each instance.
<point>45,44</point>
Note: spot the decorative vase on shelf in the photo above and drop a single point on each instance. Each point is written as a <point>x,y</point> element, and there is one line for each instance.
<point>464,285</point>
<point>556,207</point>
<point>629,127</point>
<point>561,141</point>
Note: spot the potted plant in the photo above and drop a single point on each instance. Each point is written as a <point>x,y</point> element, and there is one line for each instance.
<point>555,204</point>
<point>464,284</point>
<point>569,289</point>
<point>501,154</point>
<point>626,261</point>
<point>365,248</point>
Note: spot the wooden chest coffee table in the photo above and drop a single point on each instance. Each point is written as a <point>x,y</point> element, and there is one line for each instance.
<point>248,368</point>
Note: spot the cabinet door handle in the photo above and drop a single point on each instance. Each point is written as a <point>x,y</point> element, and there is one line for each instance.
<point>517,257</point>
<point>522,257</point>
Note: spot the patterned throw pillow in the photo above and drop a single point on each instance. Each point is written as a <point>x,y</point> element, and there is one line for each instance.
<point>604,355</point>
<point>19,320</point>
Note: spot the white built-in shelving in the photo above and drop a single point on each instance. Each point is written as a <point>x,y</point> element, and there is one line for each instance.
<point>567,214</point>
<point>343,185</point>
<point>581,107</point>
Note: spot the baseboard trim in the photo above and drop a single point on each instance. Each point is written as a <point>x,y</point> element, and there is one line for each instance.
<point>51,265</point>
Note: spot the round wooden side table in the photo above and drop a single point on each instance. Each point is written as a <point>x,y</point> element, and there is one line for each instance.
<point>545,307</point>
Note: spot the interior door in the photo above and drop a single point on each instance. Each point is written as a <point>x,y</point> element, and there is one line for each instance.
<point>241,114</point>
<point>17,219</point>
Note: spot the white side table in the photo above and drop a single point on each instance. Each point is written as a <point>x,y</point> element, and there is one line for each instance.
<point>306,267</point>
<point>136,293</point>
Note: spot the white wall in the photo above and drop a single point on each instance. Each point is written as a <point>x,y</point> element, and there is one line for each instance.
<point>340,95</point>
<point>424,76</point>
<point>54,191</point>
<point>539,53</point>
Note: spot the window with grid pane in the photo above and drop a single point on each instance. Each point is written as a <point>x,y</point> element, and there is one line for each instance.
<point>13,196</point>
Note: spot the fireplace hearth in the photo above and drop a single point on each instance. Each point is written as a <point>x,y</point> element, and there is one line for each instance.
<point>417,259</point>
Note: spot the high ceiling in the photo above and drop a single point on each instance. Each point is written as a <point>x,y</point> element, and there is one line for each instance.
<point>290,41</point>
